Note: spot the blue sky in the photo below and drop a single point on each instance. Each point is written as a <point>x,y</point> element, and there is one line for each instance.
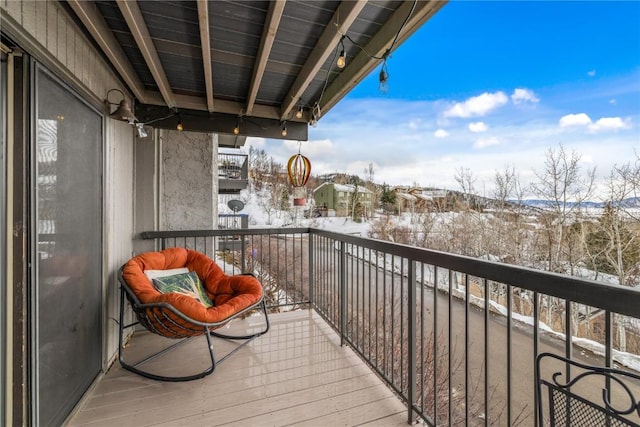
<point>483,85</point>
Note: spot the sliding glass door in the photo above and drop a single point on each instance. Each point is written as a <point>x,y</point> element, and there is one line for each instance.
<point>3,225</point>
<point>67,247</point>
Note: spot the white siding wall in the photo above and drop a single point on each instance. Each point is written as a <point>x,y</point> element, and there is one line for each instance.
<point>118,220</point>
<point>54,33</point>
<point>46,32</point>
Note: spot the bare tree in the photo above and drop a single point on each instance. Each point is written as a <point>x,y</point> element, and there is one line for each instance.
<point>465,178</point>
<point>369,173</point>
<point>565,187</point>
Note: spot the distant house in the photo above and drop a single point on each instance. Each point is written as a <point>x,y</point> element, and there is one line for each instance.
<point>339,198</point>
<point>405,202</point>
<point>429,198</point>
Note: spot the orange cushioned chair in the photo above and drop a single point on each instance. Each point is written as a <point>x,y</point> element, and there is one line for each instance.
<point>174,315</point>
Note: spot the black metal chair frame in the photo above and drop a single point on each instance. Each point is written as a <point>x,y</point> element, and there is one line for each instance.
<point>160,311</point>
<point>611,412</point>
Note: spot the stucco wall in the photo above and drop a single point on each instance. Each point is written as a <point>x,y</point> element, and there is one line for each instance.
<point>189,180</point>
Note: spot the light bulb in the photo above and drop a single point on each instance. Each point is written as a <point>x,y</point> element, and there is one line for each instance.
<point>299,113</point>
<point>179,126</point>
<point>342,60</point>
<point>236,130</point>
<point>284,130</point>
<point>383,87</point>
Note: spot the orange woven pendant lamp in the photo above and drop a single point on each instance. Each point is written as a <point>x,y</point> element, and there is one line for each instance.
<point>299,169</point>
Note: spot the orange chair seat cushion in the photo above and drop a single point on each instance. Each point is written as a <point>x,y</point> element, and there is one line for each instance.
<point>229,294</point>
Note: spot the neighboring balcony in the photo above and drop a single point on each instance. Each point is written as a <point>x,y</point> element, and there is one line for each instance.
<point>233,173</point>
<point>367,332</point>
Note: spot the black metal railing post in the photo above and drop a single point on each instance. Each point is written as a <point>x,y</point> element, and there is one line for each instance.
<point>411,331</point>
<point>310,269</point>
<point>343,291</point>
<point>243,254</point>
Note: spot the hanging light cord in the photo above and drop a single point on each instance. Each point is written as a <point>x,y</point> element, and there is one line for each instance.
<point>381,58</point>
<point>395,39</point>
<point>326,80</point>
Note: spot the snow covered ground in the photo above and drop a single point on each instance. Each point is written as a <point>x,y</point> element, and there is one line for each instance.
<point>261,218</point>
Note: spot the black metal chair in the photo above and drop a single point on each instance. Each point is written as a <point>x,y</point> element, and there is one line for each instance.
<point>570,402</point>
<point>179,317</point>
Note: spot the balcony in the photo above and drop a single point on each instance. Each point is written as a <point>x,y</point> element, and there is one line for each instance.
<point>371,332</point>
<point>233,174</point>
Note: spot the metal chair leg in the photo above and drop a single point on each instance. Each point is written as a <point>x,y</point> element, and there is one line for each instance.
<point>134,367</point>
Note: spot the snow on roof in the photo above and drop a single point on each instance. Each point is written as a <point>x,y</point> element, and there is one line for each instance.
<point>347,188</point>
<point>406,196</point>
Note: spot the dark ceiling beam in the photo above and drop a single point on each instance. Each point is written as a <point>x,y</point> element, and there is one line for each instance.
<point>94,22</point>
<point>222,106</point>
<point>362,64</point>
<point>162,117</point>
<point>342,19</point>
<point>205,42</point>
<point>269,31</point>
<point>133,17</point>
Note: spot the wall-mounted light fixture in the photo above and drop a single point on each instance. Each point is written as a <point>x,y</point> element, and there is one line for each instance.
<point>123,112</point>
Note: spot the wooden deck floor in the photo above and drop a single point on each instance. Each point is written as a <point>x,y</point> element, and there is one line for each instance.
<point>296,374</point>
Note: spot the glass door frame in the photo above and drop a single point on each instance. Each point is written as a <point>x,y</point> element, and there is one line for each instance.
<point>35,68</point>
<point>4,67</point>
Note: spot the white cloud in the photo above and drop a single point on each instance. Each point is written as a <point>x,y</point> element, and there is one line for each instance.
<point>477,106</point>
<point>486,142</point>
<point>612,101</point>
<point>255,142</point>
<point>310,148</point>
<point>591,73</point>
<point>520,96</point>
<point>478,127</point>
<point>580,119</point>
<point>608,124</point>
<point>602,124</point>
<point>441,133</point>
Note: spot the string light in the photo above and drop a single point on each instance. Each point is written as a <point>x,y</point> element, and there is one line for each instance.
<point>179,126</point>
<point>284,129</point>
<point>299,113</point>
<point>383,79</point>
<point>342,59</point>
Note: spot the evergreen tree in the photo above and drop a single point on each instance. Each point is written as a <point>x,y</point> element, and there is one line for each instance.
<point>387,199</point>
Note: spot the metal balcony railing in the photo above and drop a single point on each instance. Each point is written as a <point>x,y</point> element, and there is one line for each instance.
<point>233,221</point>
<point>455,337</point>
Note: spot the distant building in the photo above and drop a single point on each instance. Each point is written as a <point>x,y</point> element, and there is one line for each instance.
<point>340,198</point>
<point>405,202</point>
<point>427,199</point>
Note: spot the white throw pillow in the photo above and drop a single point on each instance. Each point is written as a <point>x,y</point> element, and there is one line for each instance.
<point>152,274</point>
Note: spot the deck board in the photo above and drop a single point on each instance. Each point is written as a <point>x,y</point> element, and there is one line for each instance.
<point>296,374</point>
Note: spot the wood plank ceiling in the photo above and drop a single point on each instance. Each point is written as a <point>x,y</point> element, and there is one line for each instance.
<point>252,66</point>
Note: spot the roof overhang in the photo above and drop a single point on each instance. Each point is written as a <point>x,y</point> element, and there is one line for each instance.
<point>257,66</point>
